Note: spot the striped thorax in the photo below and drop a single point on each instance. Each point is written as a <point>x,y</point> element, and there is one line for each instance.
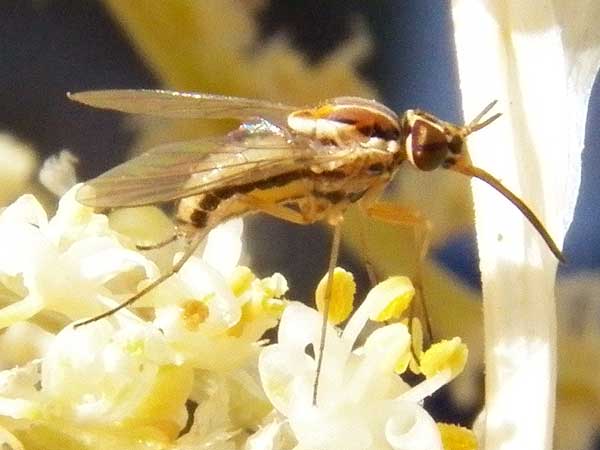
<point>347,121</point>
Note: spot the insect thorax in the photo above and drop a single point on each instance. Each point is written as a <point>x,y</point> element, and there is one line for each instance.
<point>349,121</point>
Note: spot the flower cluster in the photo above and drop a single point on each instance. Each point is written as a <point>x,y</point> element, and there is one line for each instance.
<point>189,368</point>
<point>123,381</point>
<point>361,401</point>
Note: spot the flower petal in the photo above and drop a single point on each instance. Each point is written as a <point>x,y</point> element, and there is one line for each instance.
<point>387,297</point>
<point>412,428</point>
<point>298,326</point>
<point>21,246</point>
<point>203,280</point>
<point>425,388</point>
<point>276,435</point>
<point>528,55</point>
<point>224,246</point>
<point>25,210</point>
<point>101,259</point>
<point>20,311</point>
<point>286,377</point>
<point>374,375</point>
<point>7,438</point>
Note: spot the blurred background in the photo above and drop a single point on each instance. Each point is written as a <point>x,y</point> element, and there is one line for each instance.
<point>297,51</point>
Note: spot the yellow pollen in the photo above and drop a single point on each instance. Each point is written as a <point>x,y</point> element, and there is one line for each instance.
<point>392,297</point>
<point>194,313</point>
<point>241,280</point>
<point>342,295</point>
<point>135,347</point>
<point>455,437</point>
<point>446,354</point>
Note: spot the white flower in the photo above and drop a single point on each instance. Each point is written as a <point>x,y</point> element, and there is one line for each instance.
<point>23,342</point>
<point>58,172</point>
<point>207,324</point>
<point>362,403</point>
<point>99,373</point>
<point>62,264</point>
<point>125,382</point>
<point>195,309</point>
<point>128,383</point>
<point>539,59</point>
<point>100,377</point>
<point>212,428</point>
<point>19,396</point>
<point>19,165</point>
<point>211,312</point>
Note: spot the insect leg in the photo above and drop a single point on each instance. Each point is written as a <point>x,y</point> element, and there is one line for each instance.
<point>396,215</point>
<point>189,251</point>
<point>370,198</point>
<point>290,215</point>
<point>366,254</point>
<point>274,209</point>
<point>335,250</point>
<point>160,244</point>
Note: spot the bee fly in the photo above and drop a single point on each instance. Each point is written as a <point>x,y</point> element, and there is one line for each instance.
<point>302,165</point>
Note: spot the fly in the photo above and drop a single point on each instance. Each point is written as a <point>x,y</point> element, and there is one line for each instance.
<point>302,165</point>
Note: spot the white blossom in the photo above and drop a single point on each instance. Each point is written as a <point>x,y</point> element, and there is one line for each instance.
<point>62,264</point>
<point>124,382</point>
<point>362,403</point>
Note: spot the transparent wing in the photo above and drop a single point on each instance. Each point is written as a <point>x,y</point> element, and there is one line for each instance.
<point>185,105</point>
<point>184,169</point>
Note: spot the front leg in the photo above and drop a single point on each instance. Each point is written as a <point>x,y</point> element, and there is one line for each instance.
<point>401,216</point>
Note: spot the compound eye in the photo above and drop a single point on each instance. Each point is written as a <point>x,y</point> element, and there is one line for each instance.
<point>428,145</point>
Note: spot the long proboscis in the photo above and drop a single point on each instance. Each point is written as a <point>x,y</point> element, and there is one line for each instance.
<point>489,179</point>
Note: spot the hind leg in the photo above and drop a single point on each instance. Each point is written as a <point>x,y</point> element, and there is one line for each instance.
<point>179,234</point>
<point>192,245</point>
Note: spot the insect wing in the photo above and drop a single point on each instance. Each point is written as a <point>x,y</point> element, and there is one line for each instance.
<point>185,105</point>
<point>184,169</point>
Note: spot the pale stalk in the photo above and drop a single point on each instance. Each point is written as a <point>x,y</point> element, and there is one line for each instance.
<point>540,65</point>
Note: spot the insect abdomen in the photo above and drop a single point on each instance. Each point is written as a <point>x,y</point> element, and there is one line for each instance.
<point>217,205</point>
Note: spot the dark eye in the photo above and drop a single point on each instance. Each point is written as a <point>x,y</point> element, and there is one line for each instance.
<point>456,145</point>
<point>428,145</point>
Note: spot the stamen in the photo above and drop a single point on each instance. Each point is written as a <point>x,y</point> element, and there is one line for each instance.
<point>341,300</point>
<point>447,354</point>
